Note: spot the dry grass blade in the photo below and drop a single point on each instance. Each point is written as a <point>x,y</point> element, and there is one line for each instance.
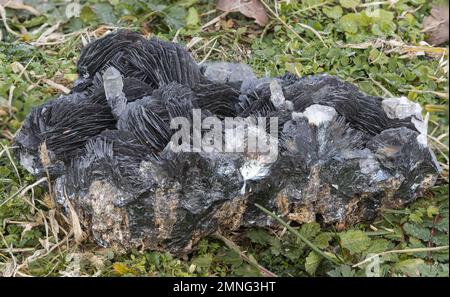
<point>57,86</point>
<point>438,94</point>
<point>11,160</point>
<point>10,98</point>
<point>214,20</point>
<point>18,4</point>
<point>395,46</point>
<point>12,267</point>
<point>42,253</point>
<point>5,23</point>
<point>304,26</point>
<point>54,226</point>
<point>209,53</point>
<point>378,84</point>
<point>75,222</point>
<point>47,33</point>
<point>24,190</point>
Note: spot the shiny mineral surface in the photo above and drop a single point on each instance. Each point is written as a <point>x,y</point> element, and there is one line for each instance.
<point>340,155</point>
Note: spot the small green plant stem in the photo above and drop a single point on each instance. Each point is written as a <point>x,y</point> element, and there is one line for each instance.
<point>296,233</point>
<point>264,271</point>
<point>416,250</point>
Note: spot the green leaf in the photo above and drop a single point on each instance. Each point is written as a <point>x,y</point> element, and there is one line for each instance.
<point>417,231</point>
<point>349,3</point>
<point>259,236</point>
<point>87,15</point>
<point>378,246</point>
<point>203,261</point>
<point>312,262</point>
<point>440,240</point>
<point>187,3</point>
<point>74,24</point>
<point>192,18</point>
<point>246,270</point>
<point>334,12</point>
<point>322,240</point>
<point>310,230</point>
<point>410,267</point>
<point>4,172</point>
<point>378,57</point>
<point>349,23</point>
<point>229,257</point>
<point>432,211</point>
<point>380,15</point>
<point>156,7</point>
<point>355,241</point>
<point>342,271</point>
<point>416,217</point>
<point>275,246</point>
<point>176,17</point>
<point>105,13</point>
<point>35,21</point>
<point>440,270</point>
<point>443,225</point>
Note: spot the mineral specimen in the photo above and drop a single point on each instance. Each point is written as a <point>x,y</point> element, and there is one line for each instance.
<point>324,151</point>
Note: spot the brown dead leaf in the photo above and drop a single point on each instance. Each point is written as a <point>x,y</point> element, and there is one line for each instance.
<point>250,8</point>
<point>18,4</point>
<point>436,25</point>
<point>57,86</point>
<point>340,227</point>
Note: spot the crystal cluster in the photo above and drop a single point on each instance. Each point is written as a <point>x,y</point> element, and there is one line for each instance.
<point>340,155</point>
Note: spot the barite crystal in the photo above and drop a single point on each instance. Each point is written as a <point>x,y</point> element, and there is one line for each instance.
<point>325,152</point>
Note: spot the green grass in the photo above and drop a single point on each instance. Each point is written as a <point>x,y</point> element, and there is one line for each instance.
<point>304,37</point>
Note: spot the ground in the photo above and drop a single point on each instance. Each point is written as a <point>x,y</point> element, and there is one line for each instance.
<point>377,46</point>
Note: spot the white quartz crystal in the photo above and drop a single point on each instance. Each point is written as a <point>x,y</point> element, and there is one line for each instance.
<point>422,127</point>
<point>401,108</point>
<point>276,95</point>
<point>113,83</point>
<point>319,114</point>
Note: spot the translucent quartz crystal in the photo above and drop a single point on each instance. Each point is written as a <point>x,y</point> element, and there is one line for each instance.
<point>289,105</point>
<point>422,128</point>
<point>227,72</point>
<point>276,95</point>
<point>297,116</point>
<point>113,83</point>
<point>401,108</point>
